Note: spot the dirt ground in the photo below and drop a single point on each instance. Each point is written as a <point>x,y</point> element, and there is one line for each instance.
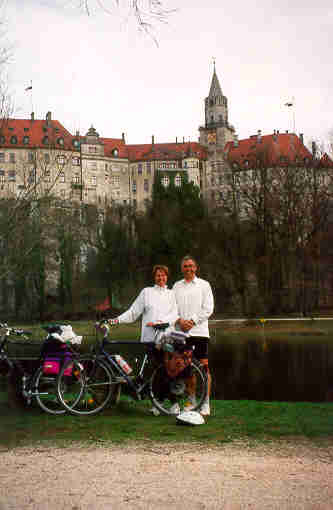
<point>293,475</point>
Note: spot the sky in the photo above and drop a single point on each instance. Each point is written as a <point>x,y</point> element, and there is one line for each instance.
<point>100,70</point>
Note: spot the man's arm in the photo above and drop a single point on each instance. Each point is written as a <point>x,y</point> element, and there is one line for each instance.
<point>207,306</point>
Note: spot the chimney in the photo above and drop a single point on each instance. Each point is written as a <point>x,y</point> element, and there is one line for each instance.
<point>176,139</point>
<point>259,139</point>
<point>152,139</point>
<point>275,135</point>
<point>314,149</point>
<point>123,137</point>
<point>32,117</point>
<point>183,139</point>
<point>48,118</point>
<point>77,133</point>
<point>286,131</point>
<point>301,137</point>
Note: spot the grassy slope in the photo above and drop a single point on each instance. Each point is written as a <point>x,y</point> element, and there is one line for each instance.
<point>231,420</point>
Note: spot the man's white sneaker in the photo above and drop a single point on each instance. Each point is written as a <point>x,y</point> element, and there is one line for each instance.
<point>205,409</point>
<point>174,409</point>
<point>155,411</point>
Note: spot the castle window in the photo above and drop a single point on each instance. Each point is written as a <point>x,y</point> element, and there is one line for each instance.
<point>31,157</point>
<point>93,165</point>
<point>32,176</point>
<point>178,181</point>
<point>146,185</point>
<point>134,186</point>
<point>2,156</point>
<point>115,181</point>
<point>47,157</point>
<point>25,140</point>
<point>47,175</point>
<point>13,140</point>
<point>76,179</point>
<point>148,167</point>
<point>61,160</point>
<point>93,180</point>
<point>12,175</point>
<point>75,161</point>
<point>92,149</point>
<point>12,157</point>
<point>140,169</point>
<point>165,181</point>
<point>62,176</point>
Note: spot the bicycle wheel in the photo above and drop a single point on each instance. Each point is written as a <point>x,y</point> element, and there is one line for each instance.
<point>45,390</point>
<point>88,389</point>
<point>191,386</point>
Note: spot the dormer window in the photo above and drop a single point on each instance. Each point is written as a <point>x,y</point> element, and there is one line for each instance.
<point>76,143</point>
<point>25,129</point>
<point>45,140</point>
<point>60,141</point>
<point>13,139</point>
<point>25,140</point>
<point>115,153</point>
<point>2,139</point>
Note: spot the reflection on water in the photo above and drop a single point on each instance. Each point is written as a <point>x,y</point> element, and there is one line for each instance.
<point>279,370</point>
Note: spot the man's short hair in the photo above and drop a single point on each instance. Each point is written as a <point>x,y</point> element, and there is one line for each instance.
<point>188,257</point>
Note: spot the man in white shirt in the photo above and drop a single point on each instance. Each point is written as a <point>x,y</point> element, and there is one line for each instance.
<point>195,304</point>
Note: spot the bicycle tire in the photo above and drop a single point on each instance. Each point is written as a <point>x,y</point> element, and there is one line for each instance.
<point>45,389</point>
<point>88,389</point>
<point>164,393</point>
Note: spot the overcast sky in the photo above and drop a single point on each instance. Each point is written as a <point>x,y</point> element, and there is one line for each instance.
<point>99,70</point>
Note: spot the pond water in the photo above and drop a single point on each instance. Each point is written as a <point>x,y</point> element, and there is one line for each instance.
<point>273,370</point>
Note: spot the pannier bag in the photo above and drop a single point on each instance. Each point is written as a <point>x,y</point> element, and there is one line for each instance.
<point>52,364</point>
<point>176,362</point>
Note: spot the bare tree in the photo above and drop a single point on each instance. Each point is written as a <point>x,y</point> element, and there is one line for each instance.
<point>288,206</point>
<point>147,13</point>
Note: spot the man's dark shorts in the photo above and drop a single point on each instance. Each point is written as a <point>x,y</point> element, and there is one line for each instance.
<point>200,346</point>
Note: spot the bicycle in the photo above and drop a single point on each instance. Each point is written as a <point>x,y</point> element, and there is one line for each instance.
<point>96,379</point>
<point>37,385</point>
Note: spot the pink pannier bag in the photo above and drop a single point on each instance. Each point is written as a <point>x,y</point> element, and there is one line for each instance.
<point>52,367</point>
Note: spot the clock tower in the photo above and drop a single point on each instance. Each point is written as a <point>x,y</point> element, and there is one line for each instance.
<point>217,131</point>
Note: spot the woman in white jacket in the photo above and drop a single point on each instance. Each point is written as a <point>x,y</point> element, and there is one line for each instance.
<point>153,304</point>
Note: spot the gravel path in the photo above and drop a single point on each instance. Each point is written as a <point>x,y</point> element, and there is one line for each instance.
<point>159,476</point>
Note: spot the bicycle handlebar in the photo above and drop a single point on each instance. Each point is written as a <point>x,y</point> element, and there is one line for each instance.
<point>14,331</point>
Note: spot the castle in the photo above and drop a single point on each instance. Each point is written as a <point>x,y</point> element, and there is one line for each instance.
<point>41,155</point>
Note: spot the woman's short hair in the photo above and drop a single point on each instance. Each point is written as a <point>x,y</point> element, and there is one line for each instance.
<point>160,267</point>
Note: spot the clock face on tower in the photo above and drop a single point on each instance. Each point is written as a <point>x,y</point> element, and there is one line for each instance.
<point>211,137</point>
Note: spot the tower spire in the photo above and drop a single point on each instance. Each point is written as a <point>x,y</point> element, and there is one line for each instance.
<point>215,87</point>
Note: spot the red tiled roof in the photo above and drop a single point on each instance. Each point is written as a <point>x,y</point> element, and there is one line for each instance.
<point>280,149</point>
<point>36,130</point>
<point>114,143</point>
<point>166,151</point>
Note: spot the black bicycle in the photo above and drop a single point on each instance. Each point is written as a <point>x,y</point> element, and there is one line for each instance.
<point>37,385</point>
<point>96,379</point>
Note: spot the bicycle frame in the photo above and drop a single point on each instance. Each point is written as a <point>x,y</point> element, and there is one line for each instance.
<point>104,355</point>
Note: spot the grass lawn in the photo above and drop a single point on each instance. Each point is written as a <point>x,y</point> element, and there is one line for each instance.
<point>131,421</point>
